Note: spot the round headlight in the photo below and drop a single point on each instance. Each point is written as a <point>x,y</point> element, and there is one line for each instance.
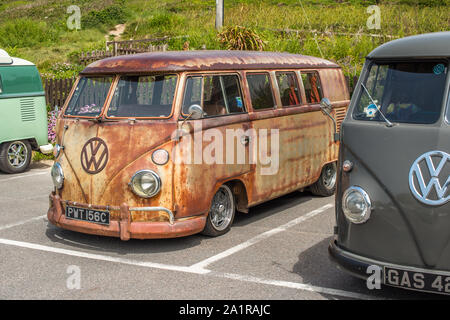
<point>145,183</point>
<point>57,175</point>
<point>356,205</point>
<point>160,157</point>
<point>56,150</point>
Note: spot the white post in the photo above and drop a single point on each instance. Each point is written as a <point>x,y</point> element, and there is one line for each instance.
<point>219,14</point>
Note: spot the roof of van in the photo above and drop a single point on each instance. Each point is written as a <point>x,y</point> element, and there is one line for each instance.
<point>420,46</point>
<point>6,60</point>
<point>170,61</point>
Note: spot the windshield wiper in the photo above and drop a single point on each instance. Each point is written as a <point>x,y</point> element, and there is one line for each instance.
<point>388,123</point>
<point>102,119</point>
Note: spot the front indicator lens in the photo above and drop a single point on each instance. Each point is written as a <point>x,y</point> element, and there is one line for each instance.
<point>57,175</point>
<point>57,151</point>
<point>160,157</point>
<point>356,205</point>
<point>145,183</point>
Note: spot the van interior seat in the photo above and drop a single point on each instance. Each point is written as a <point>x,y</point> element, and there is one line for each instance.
<point>214,109</point>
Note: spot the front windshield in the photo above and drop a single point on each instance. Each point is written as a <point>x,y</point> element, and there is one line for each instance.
<point>89,97</point>
<point>406,92</point>
<point>143,96</point>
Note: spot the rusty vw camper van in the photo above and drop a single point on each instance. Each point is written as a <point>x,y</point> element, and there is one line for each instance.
<point>392,199</point>
<point>169,144</point>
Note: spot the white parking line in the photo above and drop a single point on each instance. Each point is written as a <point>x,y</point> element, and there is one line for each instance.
<point>47,171</point>
<point>203,264</point>
<point>237,277</point>
<point>99,257</point>
<point>294,285</point>
<point>16,224</point>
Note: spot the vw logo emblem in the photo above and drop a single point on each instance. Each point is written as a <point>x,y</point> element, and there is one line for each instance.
<point>434,173</point>
<point>94,156</point>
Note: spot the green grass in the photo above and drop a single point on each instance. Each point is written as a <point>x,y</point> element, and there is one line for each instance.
<point>38,156</point>
<point>36,30</point>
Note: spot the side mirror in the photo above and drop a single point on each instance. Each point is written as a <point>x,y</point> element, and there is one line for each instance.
<point>195,112</point>
<point>325,104</point>
<point>327,107</point>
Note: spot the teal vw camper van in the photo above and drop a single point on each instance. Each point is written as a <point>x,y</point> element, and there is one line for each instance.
<point>23,114</point>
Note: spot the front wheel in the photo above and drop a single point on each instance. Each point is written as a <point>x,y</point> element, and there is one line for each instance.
<point>15,156</point>
<point>326,185</point>
<point>221,213</point>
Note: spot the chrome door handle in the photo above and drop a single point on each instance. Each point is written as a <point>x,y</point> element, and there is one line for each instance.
<point>245,139</point>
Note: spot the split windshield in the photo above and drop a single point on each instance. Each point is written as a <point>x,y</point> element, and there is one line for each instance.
<point>135,96</point>
<point>89,97</point>
<point>143,96</point>
<point>409,92</point>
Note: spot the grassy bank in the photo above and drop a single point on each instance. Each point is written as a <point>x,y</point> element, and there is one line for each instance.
<point>37,31</point>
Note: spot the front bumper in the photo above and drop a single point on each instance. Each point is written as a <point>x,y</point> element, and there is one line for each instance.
<point>124,227</point>
<point>357,265</point>
<point>351,263</point>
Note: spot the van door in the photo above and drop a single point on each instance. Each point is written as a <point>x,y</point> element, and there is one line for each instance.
<point>217,148</point>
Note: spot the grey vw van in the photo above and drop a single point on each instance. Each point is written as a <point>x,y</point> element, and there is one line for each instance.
<point>392,200</point>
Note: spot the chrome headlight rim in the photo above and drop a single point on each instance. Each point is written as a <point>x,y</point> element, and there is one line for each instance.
<point>157,180</point>
<point>57,169</point>
<point>364,215</point>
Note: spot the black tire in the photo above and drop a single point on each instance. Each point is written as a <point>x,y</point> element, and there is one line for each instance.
<point>23,147</point>
<point>213,227</point>
<point>326,185</point>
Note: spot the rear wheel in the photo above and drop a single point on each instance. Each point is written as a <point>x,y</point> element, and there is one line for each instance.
<point>221,213</point>
<point>326,185</point>
<point>15,156</point>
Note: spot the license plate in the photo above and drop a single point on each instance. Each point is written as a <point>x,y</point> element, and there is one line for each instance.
<point>89,215</point>
<point>420,281</point>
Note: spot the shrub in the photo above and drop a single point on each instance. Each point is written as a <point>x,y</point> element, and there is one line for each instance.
<point>107,17</point>
<point>26,33</point>
<point>52,116</point>
<point>240,38</point>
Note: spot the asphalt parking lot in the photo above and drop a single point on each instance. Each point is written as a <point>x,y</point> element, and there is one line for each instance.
<point>277,251</point>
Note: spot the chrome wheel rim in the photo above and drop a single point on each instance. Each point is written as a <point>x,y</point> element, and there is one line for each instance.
<point>222,208</point>
<point>329,176</point>
<point>17,154</point>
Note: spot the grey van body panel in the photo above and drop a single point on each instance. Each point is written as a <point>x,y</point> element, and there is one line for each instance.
<point>420,46</point>
<point>401,230</point>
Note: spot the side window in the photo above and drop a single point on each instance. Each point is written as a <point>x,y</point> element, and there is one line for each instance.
<point>288,87</point>
<point>216,94</point>
<point>260,91</point>
<point>1,85</point>
<point>313,88</point>
<point>192,93</point>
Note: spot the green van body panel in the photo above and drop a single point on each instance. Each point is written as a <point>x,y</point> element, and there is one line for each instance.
<point>23,111</point>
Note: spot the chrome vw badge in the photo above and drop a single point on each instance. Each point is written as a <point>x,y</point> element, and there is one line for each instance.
<point>433,164</point>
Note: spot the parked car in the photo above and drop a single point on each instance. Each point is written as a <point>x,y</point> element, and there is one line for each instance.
<point>168,144</point>
<point>23,114</point>
<point>392,207</point>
